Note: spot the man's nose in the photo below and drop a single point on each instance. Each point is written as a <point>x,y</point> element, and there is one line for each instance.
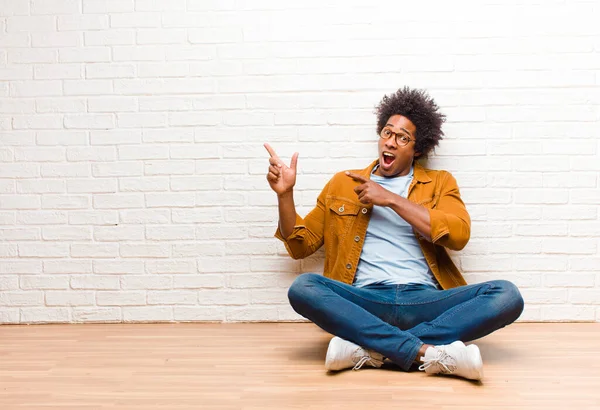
<point>391,142</point>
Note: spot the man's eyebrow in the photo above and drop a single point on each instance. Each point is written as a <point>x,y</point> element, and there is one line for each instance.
<point>403,129</point>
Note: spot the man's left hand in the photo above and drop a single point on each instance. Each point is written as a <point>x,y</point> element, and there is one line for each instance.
<point>370,192</point>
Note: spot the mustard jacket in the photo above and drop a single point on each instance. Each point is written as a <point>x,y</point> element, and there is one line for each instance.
<point>339,221</point>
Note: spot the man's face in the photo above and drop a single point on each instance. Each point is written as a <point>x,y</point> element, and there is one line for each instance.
<point>395,159</point>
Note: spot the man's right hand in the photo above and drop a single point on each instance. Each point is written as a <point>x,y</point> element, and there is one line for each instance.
<point>281,177</point>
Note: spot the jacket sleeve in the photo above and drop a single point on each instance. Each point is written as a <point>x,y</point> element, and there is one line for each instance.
<point>308,233</point>
<point>450,221</point>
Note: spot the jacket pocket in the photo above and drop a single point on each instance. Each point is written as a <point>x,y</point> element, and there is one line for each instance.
<point>341,217</point>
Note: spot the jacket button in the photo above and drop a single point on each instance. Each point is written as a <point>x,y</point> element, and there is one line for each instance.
<point>356,238</point>
<point>364,210</point>
<point>348,266</point>
<point>341,208</point>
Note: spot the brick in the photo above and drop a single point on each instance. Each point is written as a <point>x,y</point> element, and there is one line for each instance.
<point>83,55</point>
<point>39,282</point>
<point>109,37</point>
<point>225,198</point>
<point>79,22</point>
<point>60,105</point>
<point>144,184</point>
<point>95,282</point>
<point>65,202</point>
<point>171,267</point>
<point>119,266</point>
<point>96,315</point>
<point>121,298</point>
<point>37,122</point>
<point>23,170</point>
<point>14,8</point>
<point>91,154</point>
<point>190,250</point>
<point>95,250</point>
<point>118,201</point>
<point>21,298</point>
<point>118,233</point>
<point>148,314</point>
<point>30,23</point>
<point>20,234</point>
<point>64,233</point>
<point>8,251</point>
<point>204,281</point>
<point>9,283</point>
<point>150,216</point>
<point>56,39</point>
<point>223,265</point>
<point>141,120</point>
<point>144,250</point>
<point>170,135</point>
<point>67,266</point>
<point>225,297</point>
<point>198,215</point>
<point>199,314</point>
<point>253,314</point>
<point>93,217</point>
<point>170,233</point>
<point>112,104</point>
<point>143,282</point>
<point>177,200</point>
<point>115,137</point>
<point>107,6</point>
<point>43,250</point>
<point>69,298</point>
<point>109,70</point>
<point>45,315</point>
<point>63,137</point>
<point>144,151</point>
<point>558,313</point>
<point>171,167</point>
<point>119,169</point>
<point>172,297</point>
<point>36,88</point>
<point>20,267</point>
<point>195,183</point>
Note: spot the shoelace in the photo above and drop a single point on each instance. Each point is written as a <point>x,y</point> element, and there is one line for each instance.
<point>364,358</point>
<point>445,363</point>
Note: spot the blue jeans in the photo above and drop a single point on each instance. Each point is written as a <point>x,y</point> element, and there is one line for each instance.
<point>396,320</point>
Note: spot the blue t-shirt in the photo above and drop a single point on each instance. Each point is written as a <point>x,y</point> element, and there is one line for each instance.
<point>391,254</point>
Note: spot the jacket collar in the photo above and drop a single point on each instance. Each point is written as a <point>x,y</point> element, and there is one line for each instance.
<point>419,172</point>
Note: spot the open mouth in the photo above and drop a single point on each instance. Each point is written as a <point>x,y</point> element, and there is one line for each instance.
<point>388,159</point>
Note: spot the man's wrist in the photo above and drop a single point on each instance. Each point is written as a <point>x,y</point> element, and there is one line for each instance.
<point>286,195</point>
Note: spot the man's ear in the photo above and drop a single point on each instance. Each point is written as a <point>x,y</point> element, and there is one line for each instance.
<point>417,155</point>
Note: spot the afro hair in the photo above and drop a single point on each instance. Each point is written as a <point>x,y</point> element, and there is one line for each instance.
<point>421,110</point>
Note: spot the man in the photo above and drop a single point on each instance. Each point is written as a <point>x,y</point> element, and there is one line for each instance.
<point>389,288</point>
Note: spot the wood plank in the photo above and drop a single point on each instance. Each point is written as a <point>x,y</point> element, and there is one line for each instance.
<point>280,366</point>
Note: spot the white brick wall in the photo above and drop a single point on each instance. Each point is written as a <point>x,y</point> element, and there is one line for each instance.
<point>132,170</point>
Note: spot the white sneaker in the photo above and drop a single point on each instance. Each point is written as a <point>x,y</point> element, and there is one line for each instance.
<point>456,359</point>
<point>343,354</point>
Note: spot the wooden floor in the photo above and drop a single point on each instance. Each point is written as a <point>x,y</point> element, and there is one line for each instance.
<point>280,366</point>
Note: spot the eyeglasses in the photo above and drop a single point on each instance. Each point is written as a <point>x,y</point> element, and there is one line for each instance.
<point>401,139</point>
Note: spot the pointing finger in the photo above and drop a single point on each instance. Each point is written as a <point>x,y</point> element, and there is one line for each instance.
<point>271,151</point>
<point>357,177</point>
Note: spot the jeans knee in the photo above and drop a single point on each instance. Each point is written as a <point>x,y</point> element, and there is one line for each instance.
<point>300,289</point>
<point>510,299</point>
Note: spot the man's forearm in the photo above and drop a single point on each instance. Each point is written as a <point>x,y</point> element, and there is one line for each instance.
<point>416,215</point>
<point>287,213</point>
